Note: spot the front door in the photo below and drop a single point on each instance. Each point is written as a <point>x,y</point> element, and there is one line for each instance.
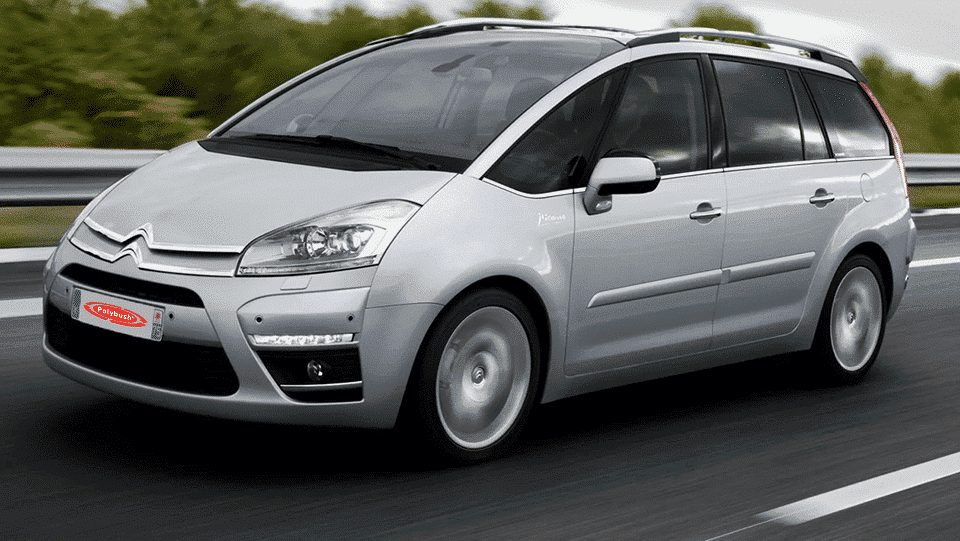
<point>645,276</point>
<point>646,273</point>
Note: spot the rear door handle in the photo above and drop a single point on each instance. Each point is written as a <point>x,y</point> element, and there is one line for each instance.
<point>822,197</point>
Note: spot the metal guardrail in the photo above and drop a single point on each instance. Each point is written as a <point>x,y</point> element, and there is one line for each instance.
<point>932,169</point>
<point>63,176</point>
<point>74,176</point>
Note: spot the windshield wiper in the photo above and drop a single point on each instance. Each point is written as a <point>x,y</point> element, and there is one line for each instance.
<point>346,143</point>
<point>386,150</point>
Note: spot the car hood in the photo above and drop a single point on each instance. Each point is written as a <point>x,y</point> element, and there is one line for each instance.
<point>193,197</point>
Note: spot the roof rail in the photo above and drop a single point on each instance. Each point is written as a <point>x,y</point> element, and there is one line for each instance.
<point>481,23</point>
<point>466,25</point>
<point>470,23</point>
<point>666,35</point>
<point>816,52</point>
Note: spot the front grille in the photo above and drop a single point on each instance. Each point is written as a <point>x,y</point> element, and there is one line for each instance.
<point>132,287</point>
<point>167,365</point>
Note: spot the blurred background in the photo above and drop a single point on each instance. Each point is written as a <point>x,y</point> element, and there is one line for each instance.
<point>152,74</point>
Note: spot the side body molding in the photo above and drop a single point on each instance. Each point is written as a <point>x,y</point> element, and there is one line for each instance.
<point>703,279</point>
<point>769,267</point>
<point>653,289</point>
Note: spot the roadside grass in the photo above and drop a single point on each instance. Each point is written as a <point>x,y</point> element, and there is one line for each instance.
<point>934,197</point>
<point>23,227</point>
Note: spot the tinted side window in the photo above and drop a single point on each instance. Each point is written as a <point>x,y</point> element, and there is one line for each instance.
<point>661,115</point>
<point>553,154</point>
<point>854,126</point>
<point>760,114</point>
<point>814,142</point>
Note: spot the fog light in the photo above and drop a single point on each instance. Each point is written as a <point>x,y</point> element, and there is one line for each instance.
<point>315,371</point>
<point>301,339</point>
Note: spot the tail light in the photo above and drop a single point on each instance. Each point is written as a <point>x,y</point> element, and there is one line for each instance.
<point>897,145</point>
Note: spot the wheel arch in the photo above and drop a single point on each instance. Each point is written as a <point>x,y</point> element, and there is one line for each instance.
<point>864,244</point>
<point>879,256</point>
<point>832,363</point>
<point>532,300</point>
<point>517,287</point>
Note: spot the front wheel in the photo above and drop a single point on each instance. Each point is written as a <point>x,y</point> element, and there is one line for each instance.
<point>852,322</point>
<point>477,375</point>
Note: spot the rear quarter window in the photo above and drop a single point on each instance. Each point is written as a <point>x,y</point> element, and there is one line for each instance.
<point>853,124</point>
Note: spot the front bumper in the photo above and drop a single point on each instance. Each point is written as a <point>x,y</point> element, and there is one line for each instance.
<point>210,343</point>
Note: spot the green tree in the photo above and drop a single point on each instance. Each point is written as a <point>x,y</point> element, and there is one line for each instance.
<point>37,76</point>
<point>946,122</point>
<point>56,92</point>
<point>225,53</point>
<point>415,16</point>
<point>494,8</point>
<point>909,103</point>
<point>347,28</point>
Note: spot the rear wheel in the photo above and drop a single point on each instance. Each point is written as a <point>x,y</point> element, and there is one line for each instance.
<point>477,376</point>
<point>852,322</point>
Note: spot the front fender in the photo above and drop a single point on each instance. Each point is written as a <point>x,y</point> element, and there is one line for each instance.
<point>473,230</point>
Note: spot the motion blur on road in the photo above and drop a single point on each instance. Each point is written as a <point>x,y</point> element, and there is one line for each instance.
<point>690,457</point>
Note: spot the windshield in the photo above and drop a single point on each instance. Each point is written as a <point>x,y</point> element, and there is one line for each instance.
<point>445,97</point>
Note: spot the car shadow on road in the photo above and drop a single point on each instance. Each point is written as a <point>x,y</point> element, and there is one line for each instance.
<point>124,434</point>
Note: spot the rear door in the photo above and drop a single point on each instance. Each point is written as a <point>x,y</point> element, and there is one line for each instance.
<point>785,199</point>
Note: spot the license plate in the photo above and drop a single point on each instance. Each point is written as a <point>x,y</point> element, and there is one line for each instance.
<point>116,314</point>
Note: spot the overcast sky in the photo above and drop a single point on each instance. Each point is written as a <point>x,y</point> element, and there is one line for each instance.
<point>920,35</point>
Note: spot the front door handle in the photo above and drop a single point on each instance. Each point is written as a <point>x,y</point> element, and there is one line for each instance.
<point>706,212</point>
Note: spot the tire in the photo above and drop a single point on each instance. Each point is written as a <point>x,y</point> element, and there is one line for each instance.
<point>852,321</point>
<point>477,376</point>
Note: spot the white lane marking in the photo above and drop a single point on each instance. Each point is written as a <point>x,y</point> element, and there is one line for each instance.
<point>18,255</point>
<point>933,262</point>
<point>734,532</point>
<point>934,212</point>
<point>863,492</point>
<point>21,307</point>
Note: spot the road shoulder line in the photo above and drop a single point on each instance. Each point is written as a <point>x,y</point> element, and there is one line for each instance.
<point>24,255</point>
<point>21,307</point>
<point>934,262</point>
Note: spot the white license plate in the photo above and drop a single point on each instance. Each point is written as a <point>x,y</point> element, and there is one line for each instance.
<point>116,314</point>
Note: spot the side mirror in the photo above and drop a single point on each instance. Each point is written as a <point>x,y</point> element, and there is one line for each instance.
<point>619,175</point>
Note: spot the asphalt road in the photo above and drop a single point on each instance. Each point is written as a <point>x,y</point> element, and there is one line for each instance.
<point>690,457</point>
<point>21,280</point>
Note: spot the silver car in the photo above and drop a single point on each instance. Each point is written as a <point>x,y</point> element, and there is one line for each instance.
<point>444,228</point>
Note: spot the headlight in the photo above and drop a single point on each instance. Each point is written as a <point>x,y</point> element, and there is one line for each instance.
<point>355,237</point>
